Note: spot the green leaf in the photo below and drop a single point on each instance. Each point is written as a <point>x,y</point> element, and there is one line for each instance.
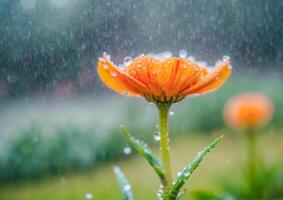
<point>123,184</point>
<point>187,171</point>
<point>144,150</point>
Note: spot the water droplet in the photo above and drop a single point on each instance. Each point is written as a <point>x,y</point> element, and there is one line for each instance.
<point>179,174</point>
<point>127,187</point>
<point>88,196</point>
<point>187,174</point>
<point>106,56</point>
<point>157,136</point>
<point>127,150</point>
<point>191,58</point>
<point>114,74</point>
<point>105,66</point>
<point>171,113</point>
<point>183,53</point>
<point>226,58</point>
<point>128,60</point>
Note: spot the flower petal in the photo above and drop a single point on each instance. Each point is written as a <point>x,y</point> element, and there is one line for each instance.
<point>146,69</point>
<point>117,80</point>
<point>212,81</point>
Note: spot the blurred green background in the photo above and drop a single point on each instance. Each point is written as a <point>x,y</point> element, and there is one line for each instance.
<point>60,127</point>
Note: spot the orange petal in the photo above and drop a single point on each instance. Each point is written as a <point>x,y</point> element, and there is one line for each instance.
<point>212,81</point>
<point>118,80</point>
<point>146,69</point>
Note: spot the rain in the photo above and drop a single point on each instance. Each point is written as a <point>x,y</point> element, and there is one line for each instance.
<point>99,97</point>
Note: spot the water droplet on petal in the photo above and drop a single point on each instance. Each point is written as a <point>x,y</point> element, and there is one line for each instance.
<point>226,58</point>
<point>114,74</point>
<point>183,53</point>
<point>191,58</point>
<point>105,66</point>
<point>128,60</point>
<point>107,56</point>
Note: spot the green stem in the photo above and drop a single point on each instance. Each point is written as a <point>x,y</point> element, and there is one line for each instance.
<point>164,142</point>
<point>251,143</point>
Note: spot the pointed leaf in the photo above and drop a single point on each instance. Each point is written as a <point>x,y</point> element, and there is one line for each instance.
<point>123,184</point>
<point>187,171</point>
<point>144,150</point>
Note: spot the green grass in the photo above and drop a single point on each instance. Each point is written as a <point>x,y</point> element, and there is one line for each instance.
<point>227,160</point>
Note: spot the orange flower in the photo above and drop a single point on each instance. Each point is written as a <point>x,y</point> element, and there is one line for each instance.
<point>162,80</point>
<point>248,111</point>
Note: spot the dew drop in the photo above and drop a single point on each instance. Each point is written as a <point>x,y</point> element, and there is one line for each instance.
<point>157,136</point>
<point>126,93</point>
<point>127,150</point>
<point>114,74</point>
<point>191,58</point>
<point>183,53</point>
<point>226,58</point>
<point>127,187</point>
<point>128,60</point>
<point>107,56</point>
<point>88,196</point>
<point>105,66</point>
<point>171,113</point>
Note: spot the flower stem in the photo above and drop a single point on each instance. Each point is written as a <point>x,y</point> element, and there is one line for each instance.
<point>164,143</point>
<point>251,143</point>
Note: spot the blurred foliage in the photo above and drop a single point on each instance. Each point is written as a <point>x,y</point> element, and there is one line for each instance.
<point>46,45</point>
<point>268,185</point>
<point>33,154</point>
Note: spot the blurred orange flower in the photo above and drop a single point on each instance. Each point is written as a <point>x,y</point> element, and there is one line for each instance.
<point>248,111</point>
<point>162,80</point>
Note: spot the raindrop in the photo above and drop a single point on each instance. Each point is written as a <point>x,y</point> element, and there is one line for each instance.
<point>187,174</point>
<point>127,150</point>
<point>127,187</point>
<point>226,58</point>
<point>179,174</point>
<point>183,53</point>
<point>191,58</point>
<point>128,60</point>
<point>88,196</point>
<point>114,74</point>
<point>107,56</point>
<point>105,66</point>
<point>171,113</point>
<point>157,136</point>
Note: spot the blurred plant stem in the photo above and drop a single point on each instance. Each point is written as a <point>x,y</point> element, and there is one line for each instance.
<point>252,160</point>
<point>164,142</point>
